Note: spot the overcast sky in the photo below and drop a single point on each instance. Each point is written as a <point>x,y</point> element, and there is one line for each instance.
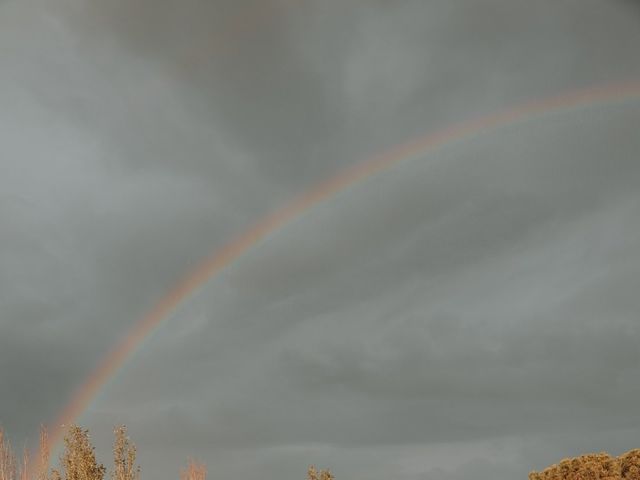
<point>470,314</point>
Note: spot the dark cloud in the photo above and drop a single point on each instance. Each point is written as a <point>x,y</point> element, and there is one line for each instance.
<point>469,312</point>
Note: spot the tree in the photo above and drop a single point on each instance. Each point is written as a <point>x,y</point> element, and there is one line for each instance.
<point>194,471</point>
<point>79,460</point>
<point>124,456</point>
<point>313,474</point>
<point>24,468</point>
<point>45,454</point>
<point>8,467</point>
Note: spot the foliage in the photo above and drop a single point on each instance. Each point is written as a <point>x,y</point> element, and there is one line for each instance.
<point>10,469</point>
<point>124,456</point>
<point>45,454</point>
<point>313,474</point>
<point>593,466</point>
<point>78,460</point>
<point>194,471</point>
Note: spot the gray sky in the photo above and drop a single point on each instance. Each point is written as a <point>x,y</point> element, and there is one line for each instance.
<point>469,314</point>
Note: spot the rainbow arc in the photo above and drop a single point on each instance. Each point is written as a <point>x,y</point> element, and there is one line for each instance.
<point>209,267</point>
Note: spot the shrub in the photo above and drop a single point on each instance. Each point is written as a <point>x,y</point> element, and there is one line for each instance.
<point>313,474</point>
<point>593,466</point>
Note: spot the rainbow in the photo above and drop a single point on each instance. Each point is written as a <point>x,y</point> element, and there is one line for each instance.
<point>221,258</point>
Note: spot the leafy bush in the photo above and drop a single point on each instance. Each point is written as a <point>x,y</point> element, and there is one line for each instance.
<point>593,466</point>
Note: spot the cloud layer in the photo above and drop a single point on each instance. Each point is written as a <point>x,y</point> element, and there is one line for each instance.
<point>472,313</point>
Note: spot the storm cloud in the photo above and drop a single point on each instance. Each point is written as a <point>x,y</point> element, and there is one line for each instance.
<point>471,313</point>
